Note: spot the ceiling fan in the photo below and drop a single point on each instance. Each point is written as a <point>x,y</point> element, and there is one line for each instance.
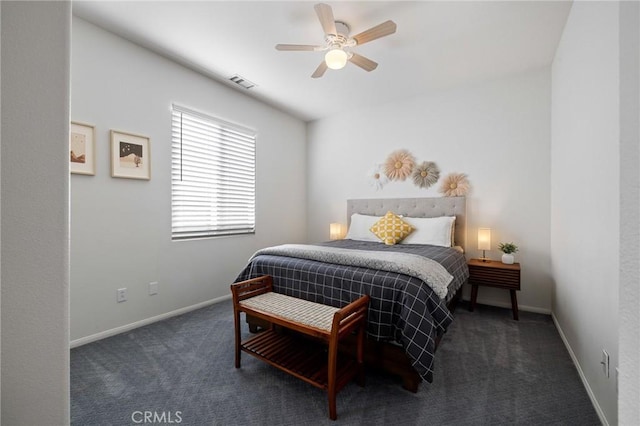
<point>338,42</point>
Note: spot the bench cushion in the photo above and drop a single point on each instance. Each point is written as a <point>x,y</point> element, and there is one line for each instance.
<point>301,311</point>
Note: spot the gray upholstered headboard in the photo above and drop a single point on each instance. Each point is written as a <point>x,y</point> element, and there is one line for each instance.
<point>416,207</point>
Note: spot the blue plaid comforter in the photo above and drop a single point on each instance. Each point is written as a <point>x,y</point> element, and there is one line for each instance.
<point>402,309</point>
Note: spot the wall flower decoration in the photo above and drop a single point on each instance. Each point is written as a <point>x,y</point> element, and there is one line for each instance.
<point>426,174</point>
<point>399,165</point>
<point>376,177</point>
<point>455,185</point>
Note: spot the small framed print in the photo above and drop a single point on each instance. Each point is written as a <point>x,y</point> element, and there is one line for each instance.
<point>82,148</point>
<point>130,156</point>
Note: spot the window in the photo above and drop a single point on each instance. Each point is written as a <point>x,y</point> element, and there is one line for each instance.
<point>213,190</point>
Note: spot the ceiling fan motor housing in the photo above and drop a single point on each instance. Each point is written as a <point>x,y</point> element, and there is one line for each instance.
<point>341,39</point>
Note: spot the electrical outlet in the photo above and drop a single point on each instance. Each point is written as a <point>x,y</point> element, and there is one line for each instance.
<point>121,295</point>
<point>605,363</point>
<point>153,288</point>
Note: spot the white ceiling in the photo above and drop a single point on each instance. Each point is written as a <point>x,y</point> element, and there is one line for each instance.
<point>438,45</point>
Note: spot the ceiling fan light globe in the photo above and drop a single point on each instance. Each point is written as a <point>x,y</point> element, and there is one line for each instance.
<point>336,59</point>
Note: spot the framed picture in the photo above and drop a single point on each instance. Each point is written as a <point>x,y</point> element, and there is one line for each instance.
<point>130,156</point>
<point>82,147</point>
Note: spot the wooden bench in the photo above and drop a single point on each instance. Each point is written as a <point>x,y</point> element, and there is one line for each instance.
<point>328,370</point>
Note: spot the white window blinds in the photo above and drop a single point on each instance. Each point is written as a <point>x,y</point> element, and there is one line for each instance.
<point>212,176</point>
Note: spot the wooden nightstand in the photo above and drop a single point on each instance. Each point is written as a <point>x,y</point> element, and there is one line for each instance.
<point>494,274</point>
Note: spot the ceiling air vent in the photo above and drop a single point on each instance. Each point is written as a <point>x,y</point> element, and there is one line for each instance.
<point>241,81</point>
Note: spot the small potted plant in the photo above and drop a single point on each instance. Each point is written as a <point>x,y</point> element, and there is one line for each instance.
<point>508,249</point>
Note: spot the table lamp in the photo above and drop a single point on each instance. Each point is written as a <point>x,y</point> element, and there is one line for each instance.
<point>484,242</point>
<point>335,231</point>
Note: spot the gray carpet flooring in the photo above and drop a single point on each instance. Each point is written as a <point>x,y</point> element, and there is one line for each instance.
<point>490,370</point>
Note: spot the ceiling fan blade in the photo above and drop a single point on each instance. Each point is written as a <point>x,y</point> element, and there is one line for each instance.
<point>381,30</point>
<point>319,72</point>
<point>364,63</point>
<point>296,47</point>
<point>325,15</point>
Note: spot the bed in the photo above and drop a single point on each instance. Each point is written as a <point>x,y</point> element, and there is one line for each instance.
<point>409,309</point>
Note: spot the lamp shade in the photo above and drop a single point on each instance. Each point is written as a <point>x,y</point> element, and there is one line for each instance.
<point>336,59</point>
<point>484,238</point>
<point>335,231</point>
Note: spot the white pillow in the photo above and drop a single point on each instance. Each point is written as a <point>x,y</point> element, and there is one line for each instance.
<point>360,228</point>
<point>437,231</point>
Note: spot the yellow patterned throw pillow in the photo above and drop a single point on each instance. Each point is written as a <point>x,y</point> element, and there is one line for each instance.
<point>391,229</point>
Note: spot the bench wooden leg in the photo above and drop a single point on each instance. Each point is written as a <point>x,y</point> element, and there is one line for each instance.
<point>360,356</point>
<point>331,375</point>
<point>236,324</point>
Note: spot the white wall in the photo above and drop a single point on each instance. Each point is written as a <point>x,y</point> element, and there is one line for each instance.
<point>497,132</point>
<point>35,45</point>
<point>585,208</point>
<point>629,293</point>
<point>120,228</point>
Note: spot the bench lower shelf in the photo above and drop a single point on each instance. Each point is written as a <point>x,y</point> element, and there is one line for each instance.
<point>301,357</point>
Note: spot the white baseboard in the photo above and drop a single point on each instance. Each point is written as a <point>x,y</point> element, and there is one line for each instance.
<point>592,397</point>
<point>112,332</point>
<point>525,308</point>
